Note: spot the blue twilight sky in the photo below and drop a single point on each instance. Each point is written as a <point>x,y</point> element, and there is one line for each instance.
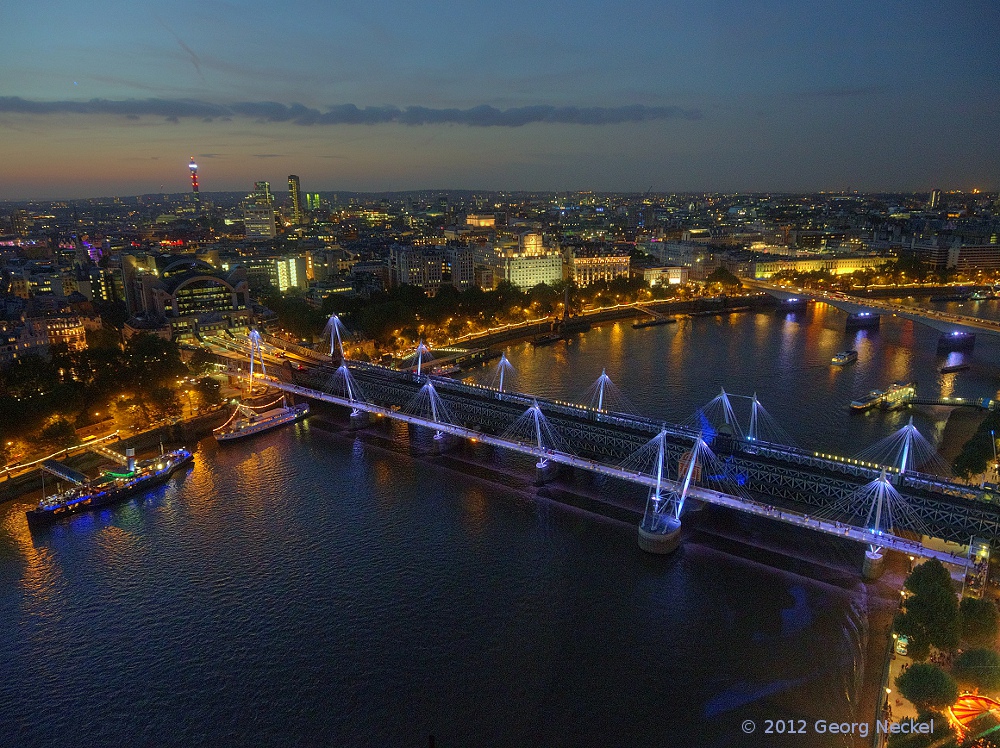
<point>109,97</point>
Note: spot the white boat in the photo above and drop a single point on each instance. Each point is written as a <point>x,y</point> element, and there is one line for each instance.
<point>844,357</point>
<point>247,422</point>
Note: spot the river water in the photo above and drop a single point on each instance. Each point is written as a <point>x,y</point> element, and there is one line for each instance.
<point>310,589</point>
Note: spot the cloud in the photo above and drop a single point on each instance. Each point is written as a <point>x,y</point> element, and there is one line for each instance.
<point>192,56</point>
<point>349,114</point>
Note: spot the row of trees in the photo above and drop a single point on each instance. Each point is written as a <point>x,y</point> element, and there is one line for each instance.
<point>407,312</point>
<point>933,617</point>
<point>979,453</point>
<point>898,272</point>
<point>43,401</point>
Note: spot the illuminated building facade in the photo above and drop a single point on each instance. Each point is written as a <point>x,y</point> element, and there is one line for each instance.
<point>21,338</point>
<point>258,213</point>
<point>588,265</point>
<point>295,196</point>
<point>832,265</point>
<point>292,273</point>
<point>184,297</point>
<point>68,330</point>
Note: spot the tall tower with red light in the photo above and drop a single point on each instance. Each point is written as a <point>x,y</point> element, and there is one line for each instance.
<point>194,183</point>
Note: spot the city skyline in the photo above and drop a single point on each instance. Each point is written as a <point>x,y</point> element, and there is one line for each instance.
<point>725,97</point>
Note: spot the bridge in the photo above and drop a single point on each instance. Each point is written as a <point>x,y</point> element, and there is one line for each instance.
<point>947,323</point>
<point>981,403</point>
<point>884,504</point>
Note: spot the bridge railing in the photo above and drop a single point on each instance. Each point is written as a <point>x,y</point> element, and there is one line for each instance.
<point>847,531</point>
<point>295,348</point>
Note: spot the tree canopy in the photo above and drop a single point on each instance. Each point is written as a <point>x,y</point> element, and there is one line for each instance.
<point>980,621</point>
<point>978,669</point>
<point>927,686</point>
<point>932,616</point>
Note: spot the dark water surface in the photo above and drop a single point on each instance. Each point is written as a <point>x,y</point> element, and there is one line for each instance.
<point>306,589</point>
<point>669,371</point>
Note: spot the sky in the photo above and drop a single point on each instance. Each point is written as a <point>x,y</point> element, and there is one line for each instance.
<point>112,97</point>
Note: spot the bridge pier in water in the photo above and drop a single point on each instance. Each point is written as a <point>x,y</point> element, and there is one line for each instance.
<point>359,419</point>
<point>662,542</point>
<point>543,473</point>
<point>873,565</point>
<point>956,341</point>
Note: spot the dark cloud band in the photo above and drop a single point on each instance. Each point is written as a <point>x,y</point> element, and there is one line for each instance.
<point>349,114</point>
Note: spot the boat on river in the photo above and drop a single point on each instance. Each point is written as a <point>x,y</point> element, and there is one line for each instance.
<point>111,488</point>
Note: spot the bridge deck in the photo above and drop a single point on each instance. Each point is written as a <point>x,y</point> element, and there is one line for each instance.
<point>800,519</point>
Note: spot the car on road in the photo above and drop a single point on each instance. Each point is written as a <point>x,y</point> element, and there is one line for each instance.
<point>902,645</point>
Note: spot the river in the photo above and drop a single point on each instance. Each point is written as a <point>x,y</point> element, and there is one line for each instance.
<point>307,588</point>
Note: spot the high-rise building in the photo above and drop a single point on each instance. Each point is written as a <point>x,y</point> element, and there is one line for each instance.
<point>935,201</point>
<point>296,198</point>
<point>292,273</point>
<point>193,167</point>
<point>312,200</point>
<point>258,212</point>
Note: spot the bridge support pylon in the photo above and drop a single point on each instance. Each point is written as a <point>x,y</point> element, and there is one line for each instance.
<point>661,542</point>
<point>359,419</point>
<point>873,565</point>
<point>543,472</point>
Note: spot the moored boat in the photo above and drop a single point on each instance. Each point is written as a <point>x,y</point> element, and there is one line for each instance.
<point>252,422</point>
<point>844,357</point>
<point>897,394</point>
<point>111,488</point>
<point>870,400</point>
<point>546,339</point>
<point>653,323</point>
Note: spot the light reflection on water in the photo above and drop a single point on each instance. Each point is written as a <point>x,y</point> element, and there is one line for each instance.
<point>309,589</point>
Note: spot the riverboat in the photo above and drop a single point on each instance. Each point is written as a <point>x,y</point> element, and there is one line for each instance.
<point>844,357</point>
<point>653,323</point>
<point>893,397</point>
<point>111,488</point>
<point>252,422</point>
<point>870,400</point>
<point>953,368</point>
<point>547,339</point>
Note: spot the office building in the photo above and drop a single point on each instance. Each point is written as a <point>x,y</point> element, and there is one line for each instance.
<point>295,197</point>
<point>258,213</point>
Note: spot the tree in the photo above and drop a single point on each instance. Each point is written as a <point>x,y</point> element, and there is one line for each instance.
<point>59,432</point>
<point>201,361</point>
<point>208,391</point>
<point>932,615</point>
<point>978,668</point>
<point>980,621</point>
<point>103,337</point>
<point>723,277</point>
<point>151,362</point>
<point>927,686</point>
<point>165,400</point>
<point>977,453</point>
<point>942,737</point>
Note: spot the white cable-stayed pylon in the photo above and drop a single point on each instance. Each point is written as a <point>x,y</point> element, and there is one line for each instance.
<point>343,384</point>
<point>503,375</point>
<point>905,451</point>
<point>335,328</point>
<point>605,396</point>
<point>256,354</point>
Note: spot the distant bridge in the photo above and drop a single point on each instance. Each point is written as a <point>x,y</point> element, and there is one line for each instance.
<point>944,322</point>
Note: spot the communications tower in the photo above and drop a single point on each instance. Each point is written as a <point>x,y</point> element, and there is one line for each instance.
<point>194,183</point>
